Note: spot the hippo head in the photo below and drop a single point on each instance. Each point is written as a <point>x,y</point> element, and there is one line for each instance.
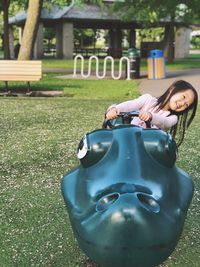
<point>127,201</point>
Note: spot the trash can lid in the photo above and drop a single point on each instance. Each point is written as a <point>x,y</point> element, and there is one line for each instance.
<point>156,53</point>
<point>133,52</point>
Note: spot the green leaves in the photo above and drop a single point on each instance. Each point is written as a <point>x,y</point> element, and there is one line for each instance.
<point>154,11</point>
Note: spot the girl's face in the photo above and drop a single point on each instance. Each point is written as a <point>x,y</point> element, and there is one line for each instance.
<point>181,100</point>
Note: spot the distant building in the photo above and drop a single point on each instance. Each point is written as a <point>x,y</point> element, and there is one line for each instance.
<point>64,20</point>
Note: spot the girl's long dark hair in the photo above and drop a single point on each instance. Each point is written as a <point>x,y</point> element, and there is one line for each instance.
<point>186,116</point>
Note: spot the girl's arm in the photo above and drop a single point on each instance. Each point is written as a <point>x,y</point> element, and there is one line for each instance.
<point>127,106</point>
<point>162,122</point>
<point>132,105</point>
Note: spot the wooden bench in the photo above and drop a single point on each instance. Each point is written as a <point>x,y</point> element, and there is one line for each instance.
<point>18,70</point>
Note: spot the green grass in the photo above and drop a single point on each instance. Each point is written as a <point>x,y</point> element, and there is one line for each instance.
<point>191,62</point>
<point>184,64</point>
<point>39,137</point>
<point>83,89</point>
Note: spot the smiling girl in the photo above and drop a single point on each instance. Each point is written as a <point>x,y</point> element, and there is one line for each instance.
<point>174,110</point>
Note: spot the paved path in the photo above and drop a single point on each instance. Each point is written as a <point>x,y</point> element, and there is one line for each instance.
<point>153,87</point>
<point>157,87</point>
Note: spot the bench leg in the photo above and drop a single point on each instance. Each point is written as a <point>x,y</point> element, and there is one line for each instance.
<point>6,85</point>
<point>29,87</point>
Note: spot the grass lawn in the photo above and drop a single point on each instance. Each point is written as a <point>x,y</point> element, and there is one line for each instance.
<point>39,137</point>
<point>191,62</point>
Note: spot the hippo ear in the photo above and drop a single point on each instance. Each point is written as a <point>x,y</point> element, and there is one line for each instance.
<point>82,148</point>
<point>93,146</point>
<point>161,146</point>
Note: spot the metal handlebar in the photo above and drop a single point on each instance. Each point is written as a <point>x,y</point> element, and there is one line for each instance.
<point>126,118</point>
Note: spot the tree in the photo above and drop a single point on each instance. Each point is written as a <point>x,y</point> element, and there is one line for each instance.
<point>30,29</point>
<point>153,11</point>
<point>31,25</point>
<point>5,6</point>
<point>49,35</point>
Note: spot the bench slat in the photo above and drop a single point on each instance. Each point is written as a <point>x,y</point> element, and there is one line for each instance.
<point>23,62</point>
<point>19,78</point>
<point>18,70</point>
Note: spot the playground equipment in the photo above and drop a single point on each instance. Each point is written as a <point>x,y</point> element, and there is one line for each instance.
<point>127,201</point>
<point>129,71</point>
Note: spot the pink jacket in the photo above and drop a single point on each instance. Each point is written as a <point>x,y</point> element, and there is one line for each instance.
<point>160,119</point>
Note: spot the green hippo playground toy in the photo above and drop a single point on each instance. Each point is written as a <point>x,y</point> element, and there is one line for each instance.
<point>127,201</point>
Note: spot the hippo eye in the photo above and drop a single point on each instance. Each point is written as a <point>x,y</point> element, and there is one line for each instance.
<point>106,201</point>
<point>161,147</point>
<point>93,147</point>
<point>82,148</point>
<point>149,203</point>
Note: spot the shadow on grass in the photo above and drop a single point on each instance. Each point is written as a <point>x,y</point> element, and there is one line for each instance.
<point>89,263</point>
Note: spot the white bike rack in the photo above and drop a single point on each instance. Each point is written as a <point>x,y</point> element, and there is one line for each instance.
<point>95,58</point>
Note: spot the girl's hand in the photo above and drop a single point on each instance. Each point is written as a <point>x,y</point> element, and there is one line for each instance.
<point>145,116</point>
<point>112,113</point>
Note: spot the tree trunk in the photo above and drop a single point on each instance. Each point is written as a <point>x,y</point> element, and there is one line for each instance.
<point>30,30</point>
<point>6,46</point>
<point>169,42</point>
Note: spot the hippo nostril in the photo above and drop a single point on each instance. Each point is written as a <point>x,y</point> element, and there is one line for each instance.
<point>106,201</point>
<point>148,202</point>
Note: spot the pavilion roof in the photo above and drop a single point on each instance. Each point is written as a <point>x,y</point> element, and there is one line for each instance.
<point>84,15</point>
<point>53,13</point>
<point>91,12</point>
<point>71,13</point>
